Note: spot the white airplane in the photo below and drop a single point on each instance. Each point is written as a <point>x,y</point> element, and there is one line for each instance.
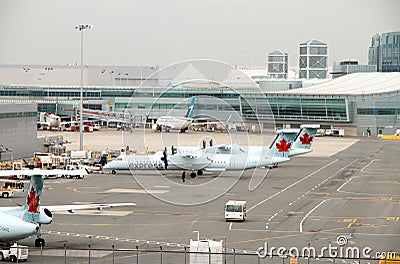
<point>180,123</point>
<point>79,173</point>
<point>213,158</point>
<point>50,121</point>
<point>19,222</point>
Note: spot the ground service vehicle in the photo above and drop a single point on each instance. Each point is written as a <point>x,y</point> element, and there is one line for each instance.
<point>6,192</point>
<point>235,210</point>
<point>15,253</point>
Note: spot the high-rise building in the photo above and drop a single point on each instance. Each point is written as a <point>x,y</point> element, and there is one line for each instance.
<point>277,63</point>
<point>385,52</point>
<point>391,52</point>
<point>374,50</point>
<point>313,60</point>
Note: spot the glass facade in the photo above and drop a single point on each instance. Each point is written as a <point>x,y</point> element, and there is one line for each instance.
<point>309,109</point>
<point>385,52</point>
<point>378,111</point>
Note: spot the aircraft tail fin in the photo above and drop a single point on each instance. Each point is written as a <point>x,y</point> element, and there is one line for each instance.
<point>31,208</point>
<point>283,143</point>
<point>190,110</point>
<point>304,138</point>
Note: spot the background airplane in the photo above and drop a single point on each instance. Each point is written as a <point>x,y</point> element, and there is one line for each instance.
<point>50,121</point>
<point>181,123</point>
<point>20,222</point>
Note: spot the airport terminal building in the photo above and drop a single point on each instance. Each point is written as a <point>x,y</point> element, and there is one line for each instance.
<point>355,102</point>
<point>18,131</point>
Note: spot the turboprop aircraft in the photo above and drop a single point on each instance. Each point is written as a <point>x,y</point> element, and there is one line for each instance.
<point>20,222</point>
<point>212,158</point>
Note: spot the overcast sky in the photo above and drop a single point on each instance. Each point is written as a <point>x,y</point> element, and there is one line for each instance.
<point>162,32</point>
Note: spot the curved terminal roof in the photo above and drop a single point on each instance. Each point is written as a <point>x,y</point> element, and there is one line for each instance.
<point>353,84</point>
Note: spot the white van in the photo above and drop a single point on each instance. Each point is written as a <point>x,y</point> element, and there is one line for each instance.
<point>235,210</point>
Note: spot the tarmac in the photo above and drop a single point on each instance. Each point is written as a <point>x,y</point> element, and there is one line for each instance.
<point>346,188</point>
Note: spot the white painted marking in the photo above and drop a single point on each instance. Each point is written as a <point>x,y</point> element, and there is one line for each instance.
<point>136,191</point>
<point>341,186</point>
<point>298,198</point>
<point>312,210</point>
<point>369,163</point>
<point>161,186</point>
<point>293,184</point>
<point>230,226</point>
<point>70,253</point>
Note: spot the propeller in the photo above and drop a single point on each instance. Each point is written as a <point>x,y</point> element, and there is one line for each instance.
<point>173,150</point>
<point>164,158</point>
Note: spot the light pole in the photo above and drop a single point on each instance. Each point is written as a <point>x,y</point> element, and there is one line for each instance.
<point>81,27</point>
<point>111,78</point>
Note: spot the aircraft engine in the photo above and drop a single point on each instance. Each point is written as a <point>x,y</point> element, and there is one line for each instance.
<point>45,216</point>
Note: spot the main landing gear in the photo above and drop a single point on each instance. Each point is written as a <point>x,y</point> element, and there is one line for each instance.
<point>39,241</point>
<point>193,174</point>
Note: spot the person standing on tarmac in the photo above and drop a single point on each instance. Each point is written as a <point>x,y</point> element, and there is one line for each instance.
<point>183,176</point>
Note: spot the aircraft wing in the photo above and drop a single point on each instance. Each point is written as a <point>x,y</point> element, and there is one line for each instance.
<point>8,173</point>
<point>72,207</point>
<point>229,149</point>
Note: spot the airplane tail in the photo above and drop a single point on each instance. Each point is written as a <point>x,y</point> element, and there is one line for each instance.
<point>190,110</point>
<point>31,208</point>
<point>283,143</point>
<point>42,117</point>
<point>304,138</point>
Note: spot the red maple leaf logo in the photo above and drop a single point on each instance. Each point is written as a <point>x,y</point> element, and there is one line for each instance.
<point>306,139</point>
<point>283,146</point>
<point>33,202</point>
